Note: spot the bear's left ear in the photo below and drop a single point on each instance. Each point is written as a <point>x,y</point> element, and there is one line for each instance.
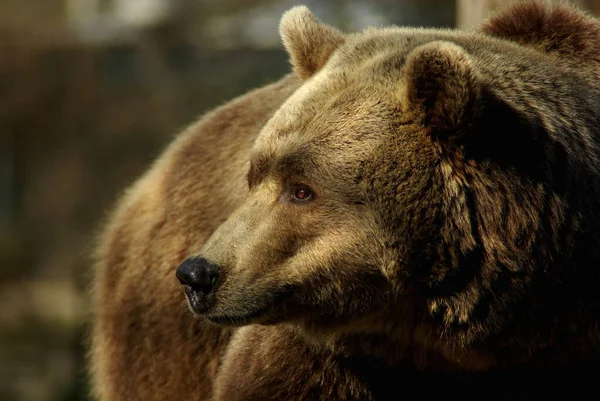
<point>308,41</point>
<point>442,88</point>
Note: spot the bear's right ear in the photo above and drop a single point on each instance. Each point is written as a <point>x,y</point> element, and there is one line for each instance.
<point>308,41</point>
<point>442,88</point>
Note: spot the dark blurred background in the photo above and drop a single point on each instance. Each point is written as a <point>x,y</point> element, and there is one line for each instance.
<point>91,91</point>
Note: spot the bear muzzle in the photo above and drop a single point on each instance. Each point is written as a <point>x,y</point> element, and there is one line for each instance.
<point>199,278</point>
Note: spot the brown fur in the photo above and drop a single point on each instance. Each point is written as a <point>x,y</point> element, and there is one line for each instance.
<point>146,343</point>
<point>310,48</point>
<point>549,27</point>
<point>450,247</point>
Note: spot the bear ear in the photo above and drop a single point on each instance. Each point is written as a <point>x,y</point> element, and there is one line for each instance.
<point>441,88</point>
<point>307,40</point>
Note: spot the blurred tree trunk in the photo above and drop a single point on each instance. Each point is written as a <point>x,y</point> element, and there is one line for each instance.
<point>595,7</point>
<point>471,13</point>
<point>590,5</point>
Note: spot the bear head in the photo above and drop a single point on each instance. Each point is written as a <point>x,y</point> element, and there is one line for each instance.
<point>395,190</point>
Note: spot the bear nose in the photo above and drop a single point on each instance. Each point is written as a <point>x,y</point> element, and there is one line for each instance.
<point>198,273</point>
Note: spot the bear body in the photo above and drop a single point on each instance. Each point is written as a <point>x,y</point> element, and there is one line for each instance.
<point>415,210</point>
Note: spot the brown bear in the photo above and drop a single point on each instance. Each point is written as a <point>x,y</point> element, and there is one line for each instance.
<point>414,215</point>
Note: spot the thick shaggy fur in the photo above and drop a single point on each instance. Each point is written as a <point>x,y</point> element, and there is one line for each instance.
<point>450,246</point>
<point>146,343</point>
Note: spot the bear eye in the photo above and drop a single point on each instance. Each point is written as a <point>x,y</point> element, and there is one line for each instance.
<point>302,194</point>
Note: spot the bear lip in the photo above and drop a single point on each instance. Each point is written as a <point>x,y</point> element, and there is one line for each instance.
<point>265,314</point>
<point>235,321</point>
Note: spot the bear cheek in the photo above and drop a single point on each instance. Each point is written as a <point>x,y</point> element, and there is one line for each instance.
<point>338,275</point>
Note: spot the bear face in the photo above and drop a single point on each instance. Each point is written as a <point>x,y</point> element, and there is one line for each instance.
<point>385,195</point>
<point>310,243</point>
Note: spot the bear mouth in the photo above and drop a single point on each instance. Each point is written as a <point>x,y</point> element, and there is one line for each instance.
<point>235,320</point>
<point>273,309</point>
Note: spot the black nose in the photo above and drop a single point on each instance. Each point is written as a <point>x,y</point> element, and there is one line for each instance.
<point>199,274</point>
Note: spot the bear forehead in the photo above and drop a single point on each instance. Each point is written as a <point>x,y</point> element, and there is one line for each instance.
<point>331,112</point>
<point>329,107</point>
<point>353,100</point>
